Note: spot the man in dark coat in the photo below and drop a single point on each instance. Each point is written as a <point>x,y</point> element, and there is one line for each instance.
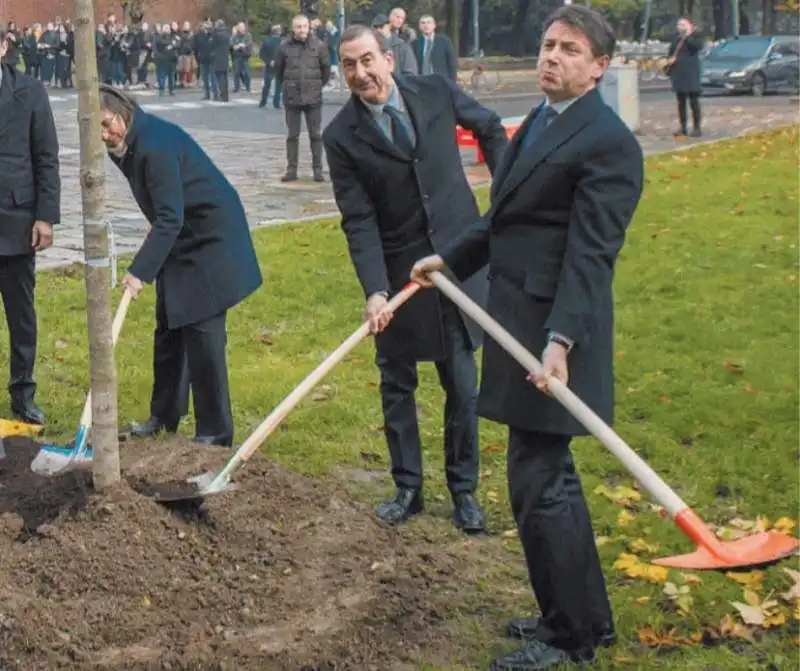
<point>562,200</point>
<point>267,53</point>
<point>303,67</point>
<point>220,57</point>
<point>399,183</point>
<point>199,252</point>
<point>434,51</point>
<point>684,72</point>
<point>30,205</point>
<point>405,63</point>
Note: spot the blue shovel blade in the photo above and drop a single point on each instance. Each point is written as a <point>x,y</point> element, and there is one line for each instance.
<point>53,459</point>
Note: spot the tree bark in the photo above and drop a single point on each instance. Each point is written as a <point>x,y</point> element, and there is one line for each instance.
<point>451,17</point>
<point>105,436</point>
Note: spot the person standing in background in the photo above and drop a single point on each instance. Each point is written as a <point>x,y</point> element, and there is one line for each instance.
<point>303,67</point>
<point>434,51</point>
<point>267,54</point>
<point>683,62</point>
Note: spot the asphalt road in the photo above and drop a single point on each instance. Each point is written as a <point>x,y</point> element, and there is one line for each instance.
<point>242,113</point>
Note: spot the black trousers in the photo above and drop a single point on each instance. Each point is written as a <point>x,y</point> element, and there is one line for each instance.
<point>313,115</point>
<point>17,285</point>
<point>192,356</point>
<point>694,102</point>
<point>222,82</point>
<point>555,529</point>
<point>459,380</point>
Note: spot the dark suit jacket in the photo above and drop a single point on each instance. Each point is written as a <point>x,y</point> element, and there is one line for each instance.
<point>396,208</point>
<point>443,55</point>
<point>30,185</point>
<point>551,237</point>
<point>199,248</point>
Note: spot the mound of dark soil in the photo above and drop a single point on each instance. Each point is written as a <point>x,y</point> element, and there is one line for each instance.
<point>282,573</point>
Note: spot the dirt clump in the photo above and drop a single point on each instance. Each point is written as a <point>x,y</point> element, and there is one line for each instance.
<point>285,572</point>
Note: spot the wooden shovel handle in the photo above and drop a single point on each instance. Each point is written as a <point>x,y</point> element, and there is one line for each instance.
<point>116,328</point>
<point>266,427</point>
<point>585,415</point>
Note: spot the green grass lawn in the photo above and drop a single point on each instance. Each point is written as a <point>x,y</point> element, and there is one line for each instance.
<point>706,359</point>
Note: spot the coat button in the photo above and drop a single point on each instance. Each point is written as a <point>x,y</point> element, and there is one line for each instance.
<point>425,197</point>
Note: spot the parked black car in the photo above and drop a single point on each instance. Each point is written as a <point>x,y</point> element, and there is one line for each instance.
<point>752,64</point>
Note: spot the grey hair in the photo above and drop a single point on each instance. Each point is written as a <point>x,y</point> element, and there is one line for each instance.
<point>117,102</point>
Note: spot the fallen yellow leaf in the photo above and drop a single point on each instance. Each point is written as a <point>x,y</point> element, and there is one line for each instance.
<point>624,496</point>
<point>643,600</point>
<point>691,579</point>
<point>784,525</point>
<point>624,518</point>
<point>633,568</point>
<point>599,541</point>
<point>640,545</point>
<point>752,580</point>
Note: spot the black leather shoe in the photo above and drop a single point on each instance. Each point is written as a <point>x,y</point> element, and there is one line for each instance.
<point>221,441</point>
<point>467,514</point>
<point>28,412</point>
<point>525,629</point>
<point>152,427</point>
<point>535,656</point>
<point>407,502</point>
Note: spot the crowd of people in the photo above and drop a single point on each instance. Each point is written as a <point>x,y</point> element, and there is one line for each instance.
<point>179,56</point>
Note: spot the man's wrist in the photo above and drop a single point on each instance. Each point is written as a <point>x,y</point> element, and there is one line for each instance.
<point>560,339</point>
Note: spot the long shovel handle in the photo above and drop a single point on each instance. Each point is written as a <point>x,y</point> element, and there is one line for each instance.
<point>604,433</point>
<point>254,441</point>
<point>116,328</point>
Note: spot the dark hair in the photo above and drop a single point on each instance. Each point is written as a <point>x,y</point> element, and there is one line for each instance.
<point>590,22</point>
<point>117,102</point>
<point>358,30</point>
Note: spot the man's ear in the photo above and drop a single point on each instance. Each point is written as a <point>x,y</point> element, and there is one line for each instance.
<point>389,55</point>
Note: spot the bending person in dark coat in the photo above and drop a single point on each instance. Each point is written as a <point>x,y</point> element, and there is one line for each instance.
<point>562,199</point>
<point>199,252</point>
<point>400,186</point>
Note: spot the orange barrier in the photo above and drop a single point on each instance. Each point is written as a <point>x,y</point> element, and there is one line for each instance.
<point>465,138</point>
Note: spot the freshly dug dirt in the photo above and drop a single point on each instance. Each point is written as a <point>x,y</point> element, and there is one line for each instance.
<point>283,573</point>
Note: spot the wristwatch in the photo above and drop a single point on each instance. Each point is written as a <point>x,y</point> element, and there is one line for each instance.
<point>560,340</point>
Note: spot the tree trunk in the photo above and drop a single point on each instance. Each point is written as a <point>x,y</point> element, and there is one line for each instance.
<point>105,437</point>
<point>518,28</point>
<point>451,18</point>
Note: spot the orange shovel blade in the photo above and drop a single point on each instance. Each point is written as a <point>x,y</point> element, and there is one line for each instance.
<point>761,548</point>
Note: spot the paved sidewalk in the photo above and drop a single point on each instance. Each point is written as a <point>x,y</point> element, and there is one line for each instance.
<point>254,163</point>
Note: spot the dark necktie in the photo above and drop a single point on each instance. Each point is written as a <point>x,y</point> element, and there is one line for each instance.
<point>399,132</point>
<point>539,123</point>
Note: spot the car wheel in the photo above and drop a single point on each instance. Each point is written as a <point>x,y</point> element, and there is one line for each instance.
<point>759,85</point>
